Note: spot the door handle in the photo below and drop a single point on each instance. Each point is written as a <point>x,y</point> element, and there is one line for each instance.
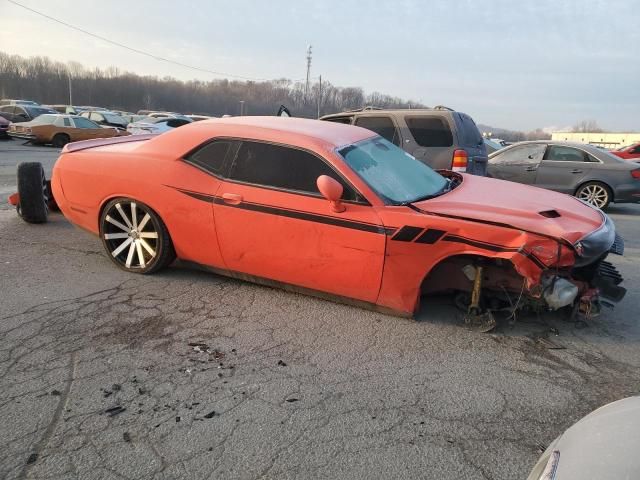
<point>531,169</point>
<point>232,198</point>
<point>576,170</point>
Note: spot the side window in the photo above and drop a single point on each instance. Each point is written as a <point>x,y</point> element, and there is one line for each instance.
<point>635,150</point>
<point>561,153</point>
<point>84,123</point>
<point>522,155</point>
<point>345,120</point>
<point>212,156</point>
<point>383,126</point>
<point>283,167</point>
<point>67,122</point>
<point>430,131</point>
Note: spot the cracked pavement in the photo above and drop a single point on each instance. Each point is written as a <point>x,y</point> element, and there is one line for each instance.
<point>186,374</point>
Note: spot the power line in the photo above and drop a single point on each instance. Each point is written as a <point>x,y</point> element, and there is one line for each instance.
<point>147,54</point>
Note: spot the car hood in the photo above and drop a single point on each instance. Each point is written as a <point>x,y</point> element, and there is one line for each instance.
<point>523,207</point>
<point>604,444</point>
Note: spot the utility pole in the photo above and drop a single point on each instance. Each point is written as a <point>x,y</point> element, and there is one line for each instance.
<point>319,95</point>
<point>241,108</point>
<point>70,96</point>
<point>306,87</point>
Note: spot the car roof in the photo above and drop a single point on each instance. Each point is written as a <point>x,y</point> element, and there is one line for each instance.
<point>381,111</point>
<point>302,132</point>
<point>332,133</point>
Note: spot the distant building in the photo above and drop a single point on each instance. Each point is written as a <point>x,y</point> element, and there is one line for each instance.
<point>609,140</point>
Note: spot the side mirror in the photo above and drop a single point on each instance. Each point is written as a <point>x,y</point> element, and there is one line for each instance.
<point>332,191</point>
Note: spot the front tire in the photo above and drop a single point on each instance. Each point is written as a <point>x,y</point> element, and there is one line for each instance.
<point>33,192</point>
<point>595,193</point>
<point>135,237</point>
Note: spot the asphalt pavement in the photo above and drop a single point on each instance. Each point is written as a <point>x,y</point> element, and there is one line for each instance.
<point>189,375</point>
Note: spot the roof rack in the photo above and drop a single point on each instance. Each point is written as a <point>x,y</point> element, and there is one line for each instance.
<point>443,107</point>
<point>364,109</point>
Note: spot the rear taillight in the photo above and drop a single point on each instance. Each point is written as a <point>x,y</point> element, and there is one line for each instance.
<point>635,173</point>
<point>460,161</point>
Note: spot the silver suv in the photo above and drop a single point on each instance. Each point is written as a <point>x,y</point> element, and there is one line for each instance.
<point>440,137</point>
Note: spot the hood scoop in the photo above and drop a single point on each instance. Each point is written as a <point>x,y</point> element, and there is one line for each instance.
<point>550,214</point>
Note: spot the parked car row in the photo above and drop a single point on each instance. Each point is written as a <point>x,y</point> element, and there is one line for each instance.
<point>58,130</point>
<point>61,124</point>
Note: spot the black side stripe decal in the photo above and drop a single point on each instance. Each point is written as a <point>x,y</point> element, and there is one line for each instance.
<point>495,248</point>
<point>283,212</point>
<point>476,243</point>
<point>430,236</point>
<point>199,196</point>
<point>407,233</point>
<point>312,217</point>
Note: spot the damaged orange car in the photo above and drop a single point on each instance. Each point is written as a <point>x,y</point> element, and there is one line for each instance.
<point>337,211</point>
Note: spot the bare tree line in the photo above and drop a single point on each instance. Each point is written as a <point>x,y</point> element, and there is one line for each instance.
<point>47,81</point>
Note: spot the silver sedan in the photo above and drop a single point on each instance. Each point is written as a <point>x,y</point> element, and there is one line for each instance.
<point>590,173</point>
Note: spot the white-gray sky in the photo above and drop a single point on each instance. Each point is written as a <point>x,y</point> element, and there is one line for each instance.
<point>516,64</point>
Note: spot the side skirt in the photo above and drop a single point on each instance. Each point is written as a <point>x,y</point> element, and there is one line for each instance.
<point>267,282</point>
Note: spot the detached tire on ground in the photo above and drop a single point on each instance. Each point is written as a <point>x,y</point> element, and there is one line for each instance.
<point>34,193</point>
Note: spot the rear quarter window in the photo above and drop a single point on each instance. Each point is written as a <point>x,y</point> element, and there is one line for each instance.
<point>430,131</point>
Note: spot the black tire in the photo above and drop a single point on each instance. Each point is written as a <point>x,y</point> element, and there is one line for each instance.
<point>53,206</point>
<point>125,242</point>
<point>33,192</point>
<point>597,194</point>
<point>59,140</point>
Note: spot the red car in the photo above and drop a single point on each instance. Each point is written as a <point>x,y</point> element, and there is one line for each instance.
<point>337,211</point>
<point>630,152</point>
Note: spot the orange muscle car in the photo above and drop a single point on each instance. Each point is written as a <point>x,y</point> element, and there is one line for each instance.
<point>59,130</point>
<point>334,210</point>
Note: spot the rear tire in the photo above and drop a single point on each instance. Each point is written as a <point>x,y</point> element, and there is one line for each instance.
<point>595,193</point>
<point>60,140</point>
<point>33,192</point>
<point>135,237</point>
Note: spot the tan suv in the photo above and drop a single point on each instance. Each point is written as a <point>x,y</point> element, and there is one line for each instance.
<point>440,137</point>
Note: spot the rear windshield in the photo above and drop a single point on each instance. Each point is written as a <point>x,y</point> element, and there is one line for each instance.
<point>469,135</point>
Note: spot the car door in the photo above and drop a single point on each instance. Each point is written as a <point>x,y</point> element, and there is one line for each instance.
<point>272,223</point>
<point>517,164</point>
<point>86,129</point>
<point>563,168</point>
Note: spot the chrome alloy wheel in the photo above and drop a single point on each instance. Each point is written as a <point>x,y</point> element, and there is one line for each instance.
<point>596,195</point>
<point>130,234</point>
